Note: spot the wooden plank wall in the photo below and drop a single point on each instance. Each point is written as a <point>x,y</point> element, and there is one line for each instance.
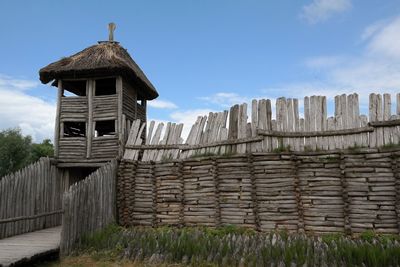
<point>129,104</point>
<point>105,107</point>
<point>236,132</point>
<point>88,205</point>
<point>104,147</point>
<point>74,108</point>
<point>30,199</point>
<point>72,148</point>
<point>313,192</point>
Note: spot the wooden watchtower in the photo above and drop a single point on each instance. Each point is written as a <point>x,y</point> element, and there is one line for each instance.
<point>101,90</point>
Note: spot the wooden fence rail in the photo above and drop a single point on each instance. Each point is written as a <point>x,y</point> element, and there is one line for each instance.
<point>30,199</point>
<point>316,192</point>
<point>88,205</point>
<point>235,132</point>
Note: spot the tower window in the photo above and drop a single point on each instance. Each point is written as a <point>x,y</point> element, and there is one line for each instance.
<point>74,129</point>
<point>104,128</point>
<point>74,88</point>
<point>105,87</point>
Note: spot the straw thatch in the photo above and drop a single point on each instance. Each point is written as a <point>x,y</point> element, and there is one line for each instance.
<point>105,58</point>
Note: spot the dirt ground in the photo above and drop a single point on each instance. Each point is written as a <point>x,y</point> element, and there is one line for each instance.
<point>88,261</point>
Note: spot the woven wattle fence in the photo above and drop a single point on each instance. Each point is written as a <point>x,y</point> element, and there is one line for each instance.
<point>316,192</point>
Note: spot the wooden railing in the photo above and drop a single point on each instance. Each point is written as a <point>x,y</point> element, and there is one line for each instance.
<point>88,205</point>
<point>232,133</point>
<point>30,199</point>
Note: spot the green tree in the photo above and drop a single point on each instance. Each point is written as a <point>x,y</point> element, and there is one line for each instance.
<point>14,150</point>
<point>18,151</point>
<point>44,149</point>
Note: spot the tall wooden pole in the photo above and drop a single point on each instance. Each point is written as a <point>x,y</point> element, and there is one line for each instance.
<point>119,119</point>
<point>90,85</point>
<point>57,123</point>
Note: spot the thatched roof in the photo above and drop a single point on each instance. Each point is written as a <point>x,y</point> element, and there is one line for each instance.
<point>105,58</point>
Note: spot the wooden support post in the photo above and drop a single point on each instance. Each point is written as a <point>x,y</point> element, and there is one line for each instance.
<point>119,117</point>
<point>217,192</point>
<point>131,191</point>
<point>396,173</point>
<point>398,104</point>
<point>297,189</point>
<point>345,196</point>
<point>57,123</point>
<point>144,105</point>
<point>254,198</point>
<point>182,192</point>
<point>154,194</point>
<point>121,194</point>
<point>90,85</point>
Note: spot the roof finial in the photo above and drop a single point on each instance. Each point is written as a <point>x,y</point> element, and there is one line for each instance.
<point>111,28</point>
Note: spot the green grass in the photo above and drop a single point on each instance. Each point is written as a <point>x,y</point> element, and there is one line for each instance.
<point>390,146</point>
<point>202,155</point>
<point>355,148</point>
<point>282,148</point>
<point>233,246</point>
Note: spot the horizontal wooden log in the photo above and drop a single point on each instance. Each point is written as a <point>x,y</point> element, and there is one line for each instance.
<point>384,123</point>
<point>192,147</point>
<point>316,133</point>
<point>22,218</point>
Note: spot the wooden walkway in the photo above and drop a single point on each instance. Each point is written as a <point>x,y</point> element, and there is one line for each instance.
<point>22,248</point>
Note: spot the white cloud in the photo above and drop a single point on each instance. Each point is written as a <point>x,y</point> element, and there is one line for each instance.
<point>377,68</point>
<point>17,109</point>
<point>321,10</point>
<point>7,82</point>
<point>372,29</point>
<point>324,61</point>
<point>385,39</point>
<point>225,99</point>
<point>162,104</point>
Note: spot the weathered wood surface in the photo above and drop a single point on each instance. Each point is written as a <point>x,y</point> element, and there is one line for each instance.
<point>22,248</point>
<point>74,108</point>
<point>60,92</point>
<point>88,205</point>
<point>72,148</point>
<point>259,132</point>
<point>30,199</point>
<point>104,147</point>
<point>315,192</point>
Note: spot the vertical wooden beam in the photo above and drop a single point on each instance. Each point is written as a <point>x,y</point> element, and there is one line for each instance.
<point>153,178</point>
<point>396,174</point>
<point>217,201</point>
<point>254,199</point>
<point>398,103</point>
<point>144,105</point>
<point>57,123</point>
<point>345,195</point>
<point>90,85</point>
<point>182,193</point>
<point>298,193</point>
<point>119,120</point>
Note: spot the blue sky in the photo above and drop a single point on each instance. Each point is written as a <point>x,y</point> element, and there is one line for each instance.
<point>203,55</point>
